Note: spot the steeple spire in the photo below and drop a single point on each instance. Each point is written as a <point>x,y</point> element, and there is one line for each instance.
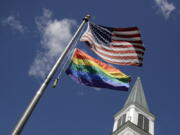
<point>137,96</point>
<point>134,118</point>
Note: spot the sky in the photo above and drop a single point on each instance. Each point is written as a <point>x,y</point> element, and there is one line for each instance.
<point>34,33</point>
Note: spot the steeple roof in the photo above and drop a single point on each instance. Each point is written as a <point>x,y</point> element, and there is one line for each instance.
<point>137,96</point>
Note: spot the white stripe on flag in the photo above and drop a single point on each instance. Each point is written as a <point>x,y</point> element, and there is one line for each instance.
<point>125,43</point>
<point>119,60</point>
<point>125,32</point>
<point>126,39</point>
<point>119,54</point>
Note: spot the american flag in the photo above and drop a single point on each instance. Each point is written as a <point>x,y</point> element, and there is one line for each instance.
<point>121,46</point>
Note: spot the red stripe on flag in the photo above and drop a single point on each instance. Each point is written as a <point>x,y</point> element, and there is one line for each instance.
<point>126,29</point>
<point>128,46</point>
<point>140,42</point>
<point>126,36</point>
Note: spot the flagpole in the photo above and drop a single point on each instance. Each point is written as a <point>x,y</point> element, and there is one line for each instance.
<point>20,125</point>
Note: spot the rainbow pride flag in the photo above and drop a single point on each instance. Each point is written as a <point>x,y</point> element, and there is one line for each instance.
<point>89,71</point>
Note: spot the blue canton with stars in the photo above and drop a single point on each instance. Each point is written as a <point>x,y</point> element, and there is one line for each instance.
<point>102,34</point>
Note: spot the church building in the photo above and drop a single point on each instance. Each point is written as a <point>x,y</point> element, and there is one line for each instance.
<point>134,118</point>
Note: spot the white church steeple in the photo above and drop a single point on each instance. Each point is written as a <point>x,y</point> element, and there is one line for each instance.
<point>134,118</point>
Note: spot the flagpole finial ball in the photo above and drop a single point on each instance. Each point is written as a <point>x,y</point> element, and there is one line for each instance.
<point>87,17</point>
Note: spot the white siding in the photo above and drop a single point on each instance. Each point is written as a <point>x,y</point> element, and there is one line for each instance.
<point>132,113</point>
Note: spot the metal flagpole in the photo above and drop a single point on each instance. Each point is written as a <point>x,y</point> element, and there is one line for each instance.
<point>20,125</point>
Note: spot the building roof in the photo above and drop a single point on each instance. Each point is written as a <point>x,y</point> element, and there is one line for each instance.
<point>137,96</point>
<point>132,126</point>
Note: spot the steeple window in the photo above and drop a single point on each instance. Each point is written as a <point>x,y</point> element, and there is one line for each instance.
<point>143,122</point>
<point>122,120</point>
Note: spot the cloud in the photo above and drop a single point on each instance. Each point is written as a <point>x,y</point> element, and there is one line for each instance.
<point>55,36</point>
<point>165,7</point>
<point>14,24</point>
